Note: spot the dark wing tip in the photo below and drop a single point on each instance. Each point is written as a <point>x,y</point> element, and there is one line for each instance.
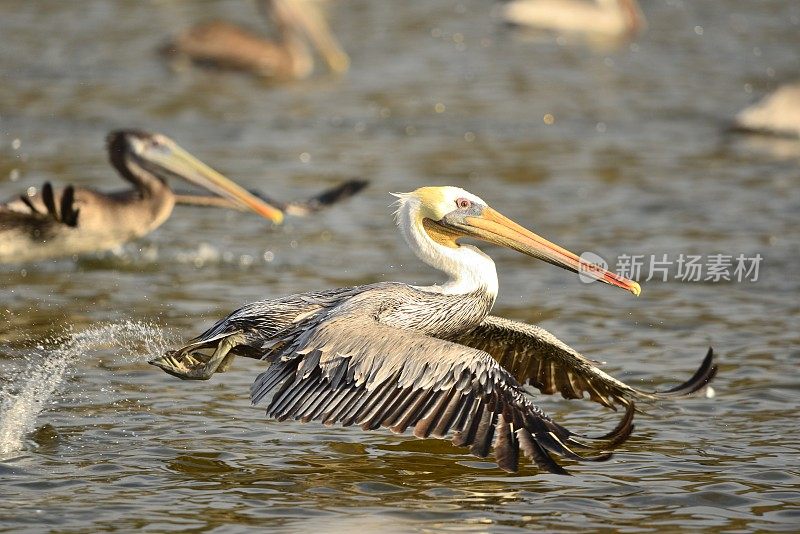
<point>69,215</point>
<point>698,382</point>
<point>48,197</point>
<point>535,452</point>
<point>27,201</point>
<point>622,431</point>
<point>609,441</point>
<point>326,198</point>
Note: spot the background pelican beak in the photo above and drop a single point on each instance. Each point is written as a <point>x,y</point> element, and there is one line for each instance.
<point>494,227</point>
<point>182,164</point>
<point>307,17</point>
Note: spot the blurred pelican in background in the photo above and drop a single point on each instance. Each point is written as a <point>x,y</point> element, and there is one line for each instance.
<point>777,114</point>
<point>54,223</point>
<point>222,44</point>
<point>602,18</point>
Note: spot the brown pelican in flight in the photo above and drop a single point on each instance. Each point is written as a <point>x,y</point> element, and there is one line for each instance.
<point>609,18</point>
<point>777,114</point>
<point>73,220</point>
<point>225,45</point>
<point>429,358</point>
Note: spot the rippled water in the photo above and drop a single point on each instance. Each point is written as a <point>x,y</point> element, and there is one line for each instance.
<point>636,161</point>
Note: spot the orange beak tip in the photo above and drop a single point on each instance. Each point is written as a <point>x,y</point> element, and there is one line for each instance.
<point>268,212</point>
<point>636,289</point>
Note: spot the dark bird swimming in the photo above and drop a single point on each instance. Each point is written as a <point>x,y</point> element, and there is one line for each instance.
<point>428,358</point>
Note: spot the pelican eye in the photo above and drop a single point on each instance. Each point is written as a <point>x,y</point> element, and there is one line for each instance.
<point>155,142</point>
<point>463,203</point>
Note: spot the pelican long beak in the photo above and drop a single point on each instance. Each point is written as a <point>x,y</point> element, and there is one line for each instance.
<point>491,226</point>
<point>182,164</point>
<point>307,17</point>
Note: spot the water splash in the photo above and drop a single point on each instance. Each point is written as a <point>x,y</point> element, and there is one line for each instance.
<point>201,256</point>
<point>31,388</point>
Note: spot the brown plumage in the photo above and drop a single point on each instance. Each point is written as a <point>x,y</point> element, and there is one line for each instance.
<point>535,356</point>
<point>225,45</point>
<point>64,222</point>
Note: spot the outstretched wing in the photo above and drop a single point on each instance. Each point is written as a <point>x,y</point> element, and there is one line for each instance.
<point>534,356</point>
<point>352,370</point>
<point>43,214</point>
<point>296,208</point>
<point>343,191</point>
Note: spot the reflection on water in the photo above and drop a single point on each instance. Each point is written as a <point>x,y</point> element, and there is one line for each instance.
<point>633,159</point>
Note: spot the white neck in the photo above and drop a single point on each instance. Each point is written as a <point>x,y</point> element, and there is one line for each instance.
<point>468,269</point>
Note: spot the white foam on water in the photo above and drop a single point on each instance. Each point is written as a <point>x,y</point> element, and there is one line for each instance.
<point>31,389</point>
<point>203,255</point>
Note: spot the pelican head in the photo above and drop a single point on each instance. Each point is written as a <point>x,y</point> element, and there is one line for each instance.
<point>159,155</point>
<point>447,214</point>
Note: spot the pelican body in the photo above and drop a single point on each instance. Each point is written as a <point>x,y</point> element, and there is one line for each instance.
<point>224,45</point>
<point>75,220</point>
<point>431,358</point>
<point>610,18</point>
<point>777,114</point>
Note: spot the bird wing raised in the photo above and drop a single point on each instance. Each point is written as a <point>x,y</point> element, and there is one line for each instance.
<point>43,215</point>
<point>350,369</point>
<point>535,356</point>
<point>296,208</point>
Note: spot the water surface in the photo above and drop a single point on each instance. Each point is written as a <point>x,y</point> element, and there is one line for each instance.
<point>635,161</point>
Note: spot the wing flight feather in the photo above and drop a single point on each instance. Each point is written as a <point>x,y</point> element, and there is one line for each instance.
<point>534,356</point>
<point>399,379</point>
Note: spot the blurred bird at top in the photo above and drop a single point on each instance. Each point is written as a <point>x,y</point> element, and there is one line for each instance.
<point>225,45</point>
<point>602,18</point>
